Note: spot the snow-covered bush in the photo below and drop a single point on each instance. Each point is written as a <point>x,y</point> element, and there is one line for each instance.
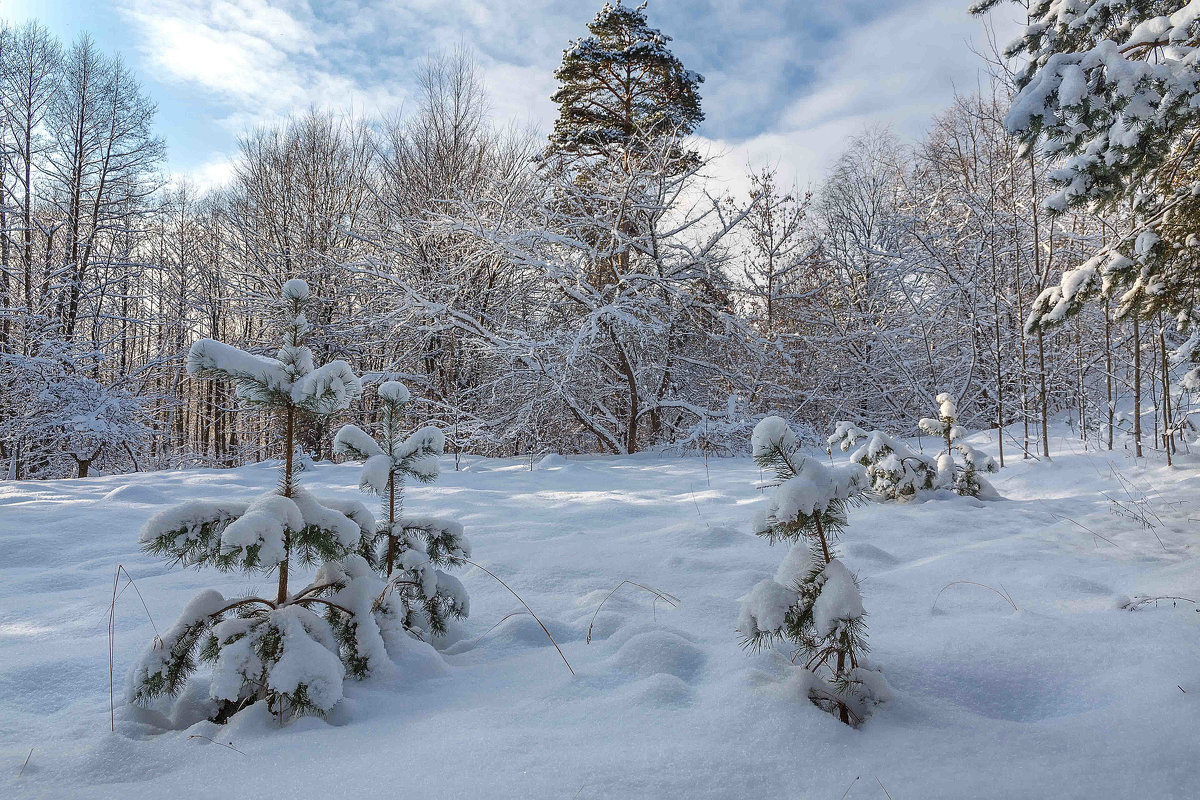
<point>58,421</point>
<point>813,601</point>
<point>276,649</point>
<point>413,549</point>
<point>963,478</point>
<point>895,471</point>
<point>83,419</point>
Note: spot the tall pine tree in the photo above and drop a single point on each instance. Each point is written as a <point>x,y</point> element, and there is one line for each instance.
<point>622,87</point>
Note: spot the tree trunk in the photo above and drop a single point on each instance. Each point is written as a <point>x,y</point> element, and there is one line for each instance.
<point>1168,438</point>
<point>391,551</point>
<point>1042,395</point>
<point>1137,386</point>
<point>1108,371</point>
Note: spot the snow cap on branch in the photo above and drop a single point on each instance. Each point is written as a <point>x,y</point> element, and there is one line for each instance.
<point>295,289</point>
<point>772,433</point>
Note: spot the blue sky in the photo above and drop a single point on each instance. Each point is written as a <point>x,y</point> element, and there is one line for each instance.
<point>787,81</point>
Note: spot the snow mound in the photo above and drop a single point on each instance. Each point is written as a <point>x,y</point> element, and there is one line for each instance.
<point>861,551</point>
<point>662,691</point>
<point>551,461</point>
<point>714,537</point>
<point>135,493</point>
<point>659,652</point>
<point>523,630</point>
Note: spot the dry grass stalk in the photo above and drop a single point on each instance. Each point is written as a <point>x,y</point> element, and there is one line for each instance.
<point>1004,594</point>
<point>112,630</point>
<point>214,741</point>
<point>545,630</point>
<point>670,599</point>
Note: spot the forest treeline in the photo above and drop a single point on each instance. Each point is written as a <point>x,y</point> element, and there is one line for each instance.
<point>590,291</point>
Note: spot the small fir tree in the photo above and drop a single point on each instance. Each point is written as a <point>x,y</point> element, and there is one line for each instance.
<point>412,549</point>
<point>279,650</point>
<point>813,600</point>
<point>963,478</point>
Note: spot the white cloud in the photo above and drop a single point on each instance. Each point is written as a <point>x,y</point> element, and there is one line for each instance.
<point>899,71</point>
<point>216,173</point>
<point>788,82</point>
<point>259,60</point>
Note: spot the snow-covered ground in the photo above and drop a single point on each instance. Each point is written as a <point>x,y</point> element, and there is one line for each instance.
<point>1069,696</point>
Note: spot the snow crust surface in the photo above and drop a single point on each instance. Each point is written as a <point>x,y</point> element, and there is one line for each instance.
<point>1072,696</point>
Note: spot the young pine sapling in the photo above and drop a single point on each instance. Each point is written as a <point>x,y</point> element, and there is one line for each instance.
<point>895,471</point>
<point>813,601</point>
<point>413,549</point>
<point>962,478</point>
<point>275,649</point>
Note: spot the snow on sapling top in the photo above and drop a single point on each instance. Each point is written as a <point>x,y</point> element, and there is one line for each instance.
<point>295,289</point>
<point>946,406</point>
<point>944,425</point>
<point>813,490</point>
<point>290,379</point>
<point>806,487</point>
<point>394,392</point>
<point>772,433</point>
<point>415,456</point>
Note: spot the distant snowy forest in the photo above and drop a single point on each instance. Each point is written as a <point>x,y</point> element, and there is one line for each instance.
<point>596,291</point>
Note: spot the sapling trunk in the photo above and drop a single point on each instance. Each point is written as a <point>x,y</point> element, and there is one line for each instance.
<point>843,712</point>
<point>824,545</point>
<point>391,551</point>
<point>288,442</point>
